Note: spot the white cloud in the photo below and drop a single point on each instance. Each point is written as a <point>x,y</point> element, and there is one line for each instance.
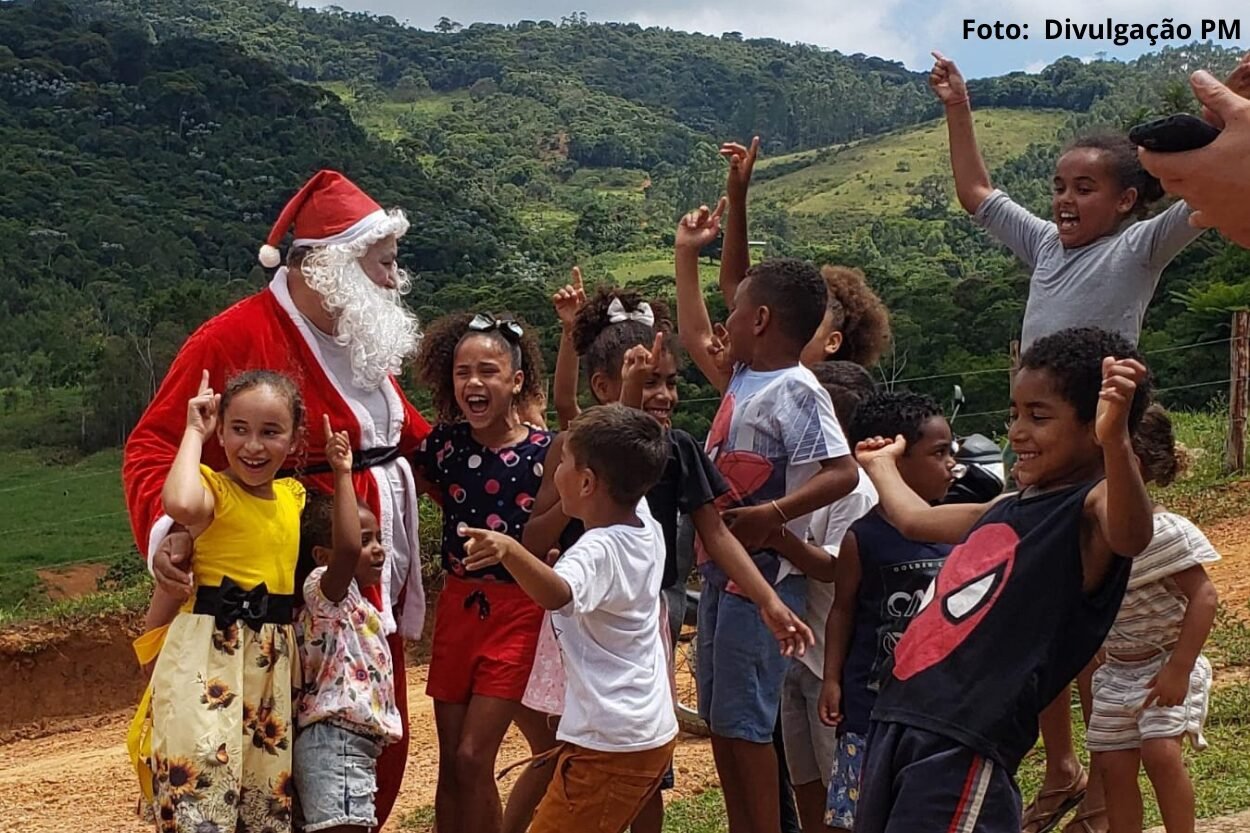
<point>1036,67</point>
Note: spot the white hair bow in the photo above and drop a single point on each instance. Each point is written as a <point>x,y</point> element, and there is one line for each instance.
<point>618,315</point>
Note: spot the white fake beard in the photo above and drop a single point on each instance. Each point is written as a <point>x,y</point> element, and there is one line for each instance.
<point>369,320</point>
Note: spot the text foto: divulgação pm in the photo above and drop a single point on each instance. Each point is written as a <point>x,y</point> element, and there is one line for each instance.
<point>1108,29</point>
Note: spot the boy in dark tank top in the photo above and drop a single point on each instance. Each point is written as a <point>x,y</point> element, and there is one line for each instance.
<point>1024,600</point>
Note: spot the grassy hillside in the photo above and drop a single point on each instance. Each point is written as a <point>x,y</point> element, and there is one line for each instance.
<point>57,515</point>
<point>874,177</point>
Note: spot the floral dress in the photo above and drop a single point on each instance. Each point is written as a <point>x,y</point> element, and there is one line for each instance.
<point>221,690</point>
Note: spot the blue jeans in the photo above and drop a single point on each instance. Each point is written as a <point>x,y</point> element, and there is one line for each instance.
<point>740,668</point>
<point>336,776</point>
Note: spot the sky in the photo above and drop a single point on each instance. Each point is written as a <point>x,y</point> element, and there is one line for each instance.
<point>901,30</point>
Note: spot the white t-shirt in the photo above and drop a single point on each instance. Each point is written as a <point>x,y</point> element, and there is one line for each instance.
<point>827,529</point>
<point>771,434</point>
<point>617,695</point>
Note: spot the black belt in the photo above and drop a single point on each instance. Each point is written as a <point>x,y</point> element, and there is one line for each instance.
<point>230,603</point>
<point>361,460</point>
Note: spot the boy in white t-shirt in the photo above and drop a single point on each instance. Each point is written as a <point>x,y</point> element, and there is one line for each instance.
<point>619,729</point>
<point>810,745</point>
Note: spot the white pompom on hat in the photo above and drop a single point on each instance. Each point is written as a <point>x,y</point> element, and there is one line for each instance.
<point>330,209</point>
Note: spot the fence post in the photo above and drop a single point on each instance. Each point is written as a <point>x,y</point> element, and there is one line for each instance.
<point>1238,393</point>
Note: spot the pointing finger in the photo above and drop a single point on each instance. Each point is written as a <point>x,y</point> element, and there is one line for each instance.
<point>577,278</point>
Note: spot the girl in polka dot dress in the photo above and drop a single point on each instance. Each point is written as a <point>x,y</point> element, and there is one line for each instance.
<point>484,465</point>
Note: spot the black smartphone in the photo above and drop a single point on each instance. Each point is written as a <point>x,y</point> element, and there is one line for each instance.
<point>1173,134</point>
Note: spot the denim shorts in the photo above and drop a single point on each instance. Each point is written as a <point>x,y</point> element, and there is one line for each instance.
<point>336,775</point>
<point>739,665</point>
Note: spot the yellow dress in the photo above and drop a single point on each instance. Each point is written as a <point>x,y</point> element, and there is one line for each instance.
<point>221,714</point>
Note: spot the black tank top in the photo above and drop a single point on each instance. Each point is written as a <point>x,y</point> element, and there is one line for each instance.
<point>1005,628</point>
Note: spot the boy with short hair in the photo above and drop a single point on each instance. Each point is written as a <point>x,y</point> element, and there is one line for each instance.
<point>619,729</point>
<point>777,441</point>
<point>881,577</point>
<point>1022,603</point>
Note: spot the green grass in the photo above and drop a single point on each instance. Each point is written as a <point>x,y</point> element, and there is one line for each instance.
<point>631,267</point>
<point>865,178</point>
<point>1204,493</point>
<point>57,514</point>
<point>385,119</point>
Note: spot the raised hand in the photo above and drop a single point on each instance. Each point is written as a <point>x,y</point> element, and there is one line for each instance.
<point>202,409</point>
<point>1120,378</point>
<point>946,81</point>
<point>640,362</point>
<point>878,449</point>
<point>718,348</point>
<point>570,299</point>
<point>338,448</point>
<point>741,164</point>
<point>701,227</point>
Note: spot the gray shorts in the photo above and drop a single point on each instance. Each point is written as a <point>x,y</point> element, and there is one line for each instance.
<point>810,744</point>
<point>336,775</point>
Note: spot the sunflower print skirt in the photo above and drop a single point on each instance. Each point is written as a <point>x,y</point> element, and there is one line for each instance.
<point>221,728</point>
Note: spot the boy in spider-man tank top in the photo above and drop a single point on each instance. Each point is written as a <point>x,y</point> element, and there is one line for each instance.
<point>1022,603</point>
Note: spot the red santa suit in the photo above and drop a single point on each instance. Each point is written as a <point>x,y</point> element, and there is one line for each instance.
<point>266,331</point>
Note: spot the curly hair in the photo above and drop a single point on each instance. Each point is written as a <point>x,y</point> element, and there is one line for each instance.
<point>858,314</point>
<point>1121,158</point>
<point>794,293</point>
<point>279,383</point>
<point>889,413</point>
<point>602,345</point>
<point>1074,358</point>
<point>1155,444</point>
<point>437,358</point>
<point>848,385</point>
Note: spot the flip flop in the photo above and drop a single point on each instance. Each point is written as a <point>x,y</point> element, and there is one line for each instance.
<point>1046,811</point>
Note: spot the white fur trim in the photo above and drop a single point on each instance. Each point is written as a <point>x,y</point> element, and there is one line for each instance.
<point>269,256</point>
<point>160,529</point>
<point>347,235</point>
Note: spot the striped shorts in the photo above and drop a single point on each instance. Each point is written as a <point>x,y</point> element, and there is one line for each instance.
<point>1118,720</point>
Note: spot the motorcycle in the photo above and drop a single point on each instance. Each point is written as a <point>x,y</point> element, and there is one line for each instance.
<point>979,472</point>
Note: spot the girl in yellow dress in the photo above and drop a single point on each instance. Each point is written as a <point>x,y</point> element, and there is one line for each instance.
<point>221,726</point>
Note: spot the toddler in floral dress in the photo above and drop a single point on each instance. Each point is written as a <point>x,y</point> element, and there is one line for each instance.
<point>346,712</point>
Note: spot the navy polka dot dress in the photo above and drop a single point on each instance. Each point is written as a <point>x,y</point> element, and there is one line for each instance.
<point>485,488</point>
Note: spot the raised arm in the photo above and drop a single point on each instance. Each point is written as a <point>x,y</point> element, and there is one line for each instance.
<point>547,522</point>
<point>564,393</point>
<point>905,509</point>
<point>154,442</point>
<point>1121,506</point>
<point>184,496</point>
<point>345,554</point>
<point>696,230</point>
<point>972,180</point>
<point>735,258</point>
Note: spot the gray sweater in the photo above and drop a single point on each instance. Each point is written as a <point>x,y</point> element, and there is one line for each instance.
<point>1107,283</point>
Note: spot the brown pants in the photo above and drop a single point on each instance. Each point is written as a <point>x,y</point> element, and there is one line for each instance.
<point>599,792</point>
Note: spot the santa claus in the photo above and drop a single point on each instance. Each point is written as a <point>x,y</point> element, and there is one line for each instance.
<point>333,320</point>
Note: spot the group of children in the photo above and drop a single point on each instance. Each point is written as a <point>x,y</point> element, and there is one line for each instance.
<point>905,647</point>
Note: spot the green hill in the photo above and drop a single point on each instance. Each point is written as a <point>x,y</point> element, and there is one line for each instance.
<point>877,176</point>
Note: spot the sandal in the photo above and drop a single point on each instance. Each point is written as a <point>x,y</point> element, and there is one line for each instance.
<point>1046,811</point>
<point>1082,822</point>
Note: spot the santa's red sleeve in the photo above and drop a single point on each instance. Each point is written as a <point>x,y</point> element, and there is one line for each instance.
<point>152,445</point>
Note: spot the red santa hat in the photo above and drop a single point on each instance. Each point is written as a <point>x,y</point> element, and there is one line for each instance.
<point>330,209</point>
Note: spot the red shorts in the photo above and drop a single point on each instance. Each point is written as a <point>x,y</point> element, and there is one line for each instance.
<point>485,635</point>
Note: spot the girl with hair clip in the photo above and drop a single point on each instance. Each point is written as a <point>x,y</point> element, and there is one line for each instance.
<point>485,466</point>
<point>627,346</point>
